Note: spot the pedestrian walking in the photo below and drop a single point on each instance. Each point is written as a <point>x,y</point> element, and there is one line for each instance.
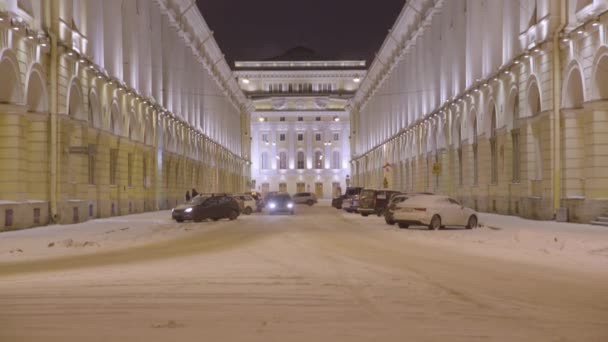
<point>194,193</point>
<point>187,196</point>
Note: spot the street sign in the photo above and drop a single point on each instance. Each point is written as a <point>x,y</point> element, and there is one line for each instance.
<point>436,168</point>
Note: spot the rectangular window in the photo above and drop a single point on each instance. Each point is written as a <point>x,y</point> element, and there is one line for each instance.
<point>516,156</point>
<point>318,118</point>
<point>475,164</point>
<point>113,166</point>
<point>300,136</point>
<point>130,169</point>
<point>300,118</point>
<point>36,215</point>
<point>91,166</point>
<point>265,137</point>
<point>282,118</point>
<point>145,172</point>
<point>318,137</point>
<point>282,137</point>
<point>494,160</point>
<point>336,136</point>
<point>8,217</point>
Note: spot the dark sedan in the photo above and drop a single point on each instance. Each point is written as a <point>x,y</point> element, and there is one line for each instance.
<point>213,207</point>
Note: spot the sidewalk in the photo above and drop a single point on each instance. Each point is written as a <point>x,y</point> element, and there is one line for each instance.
<point>495,221</point>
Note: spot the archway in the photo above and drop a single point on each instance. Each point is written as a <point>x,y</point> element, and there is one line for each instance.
<point>536,164</point>
<point>10,145</point>
<point>572,148</point>
<point>601,78</point>
<point>10,87</point>
<point>37,135</point>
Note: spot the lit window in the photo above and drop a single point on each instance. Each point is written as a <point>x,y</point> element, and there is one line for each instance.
<point>300,160</point>
<point>283,160</point>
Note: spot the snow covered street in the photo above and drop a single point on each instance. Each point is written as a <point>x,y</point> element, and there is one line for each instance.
<point>321,275</point>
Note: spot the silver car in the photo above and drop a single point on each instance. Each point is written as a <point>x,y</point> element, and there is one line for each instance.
<point>305,198</point>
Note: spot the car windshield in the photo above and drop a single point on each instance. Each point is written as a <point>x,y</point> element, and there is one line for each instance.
<point>367,193</point>
<point>281,198</point>
<point>352,191</point>
<point>197,200</point>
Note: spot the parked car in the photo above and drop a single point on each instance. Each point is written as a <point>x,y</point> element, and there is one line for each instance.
<point>280,203</point>
<point>350,200</point>
<point>203,207</point>
<point>374,201</point>
<point>390,208</point>
<point>305,198</point>
<point>249,204</point>
<point>259,201</point>
<point>434,212</point>
<point>239,200</point>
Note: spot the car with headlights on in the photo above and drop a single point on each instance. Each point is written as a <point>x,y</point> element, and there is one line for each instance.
<point>434,212</point>
<point>280,203</point>
<point>204,207</point>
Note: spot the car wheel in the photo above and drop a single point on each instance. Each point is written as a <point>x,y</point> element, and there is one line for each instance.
<point>472,222</point>
<point>179,220</point>
<point>389,221</point>
<point>248,211</point>
<point>435,223</point>
<point>310,203</point>
<point>404,225</point>
<point>215,219</point>
<point>365,215</point>
<point>233,215</point>
<point>339,207</point>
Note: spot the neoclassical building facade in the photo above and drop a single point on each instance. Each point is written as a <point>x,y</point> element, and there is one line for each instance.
<point>502,104</point>
<point>299,125</point>
<point>113,107</point>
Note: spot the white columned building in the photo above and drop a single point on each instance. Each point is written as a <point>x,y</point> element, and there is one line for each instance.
<point>300,129</point>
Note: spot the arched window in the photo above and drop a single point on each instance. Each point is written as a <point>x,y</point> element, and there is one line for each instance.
<point>264,161</point>
<point>493,148</point>
<point>516,173</point>
<point>318,160</point>
<point>283,160</point>
<point>475,153</point>
<point>335,160</point>
<point>301,160</point>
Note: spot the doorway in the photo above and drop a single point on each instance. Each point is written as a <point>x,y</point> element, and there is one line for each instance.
<point>300,187</point>
<point>319,190</point>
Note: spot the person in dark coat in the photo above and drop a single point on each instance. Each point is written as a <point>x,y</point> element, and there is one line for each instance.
<point>187,196</point>
<point>194,193</point>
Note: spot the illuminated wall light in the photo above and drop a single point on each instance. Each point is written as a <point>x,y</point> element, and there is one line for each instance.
<point>356,79</point>
<point>596,22</point>
<point>516,62</point>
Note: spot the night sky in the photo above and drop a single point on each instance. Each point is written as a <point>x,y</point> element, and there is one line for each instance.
<point>334,29</point>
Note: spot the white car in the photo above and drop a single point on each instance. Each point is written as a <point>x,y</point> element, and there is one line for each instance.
<point>305,198</point>
<point>434,212</point>
<point>249,204</point>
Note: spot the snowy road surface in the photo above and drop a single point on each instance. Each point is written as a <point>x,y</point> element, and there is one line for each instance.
<point>320,275</point>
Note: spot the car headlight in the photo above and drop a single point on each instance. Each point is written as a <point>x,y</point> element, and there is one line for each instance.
<point>272,205</point>
<point>290,205</point>
<point>188,210</point>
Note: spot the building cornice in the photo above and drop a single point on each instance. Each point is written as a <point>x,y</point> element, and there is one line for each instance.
<point>269,74</point>
<point>414,19</point>
<point>197,35</point>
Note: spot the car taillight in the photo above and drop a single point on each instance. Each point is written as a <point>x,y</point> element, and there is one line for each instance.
<point>420,209</point>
